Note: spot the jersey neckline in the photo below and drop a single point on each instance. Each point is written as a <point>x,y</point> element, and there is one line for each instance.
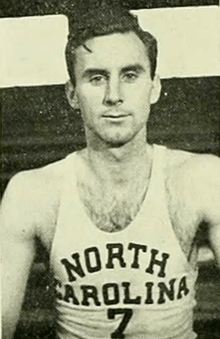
<point>131,225</point>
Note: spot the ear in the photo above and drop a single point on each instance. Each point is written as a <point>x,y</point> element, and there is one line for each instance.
<point>156,89</point>
<point>71,95</point>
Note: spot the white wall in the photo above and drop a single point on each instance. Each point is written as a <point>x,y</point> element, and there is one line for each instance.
<point>32,48</point>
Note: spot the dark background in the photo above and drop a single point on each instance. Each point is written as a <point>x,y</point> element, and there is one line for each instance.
<point>14,8</point>
<point>39,127</point>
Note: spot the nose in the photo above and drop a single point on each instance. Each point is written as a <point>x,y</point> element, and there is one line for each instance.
<point>113,93</point>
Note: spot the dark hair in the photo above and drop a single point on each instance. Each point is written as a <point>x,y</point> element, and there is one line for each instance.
<point>105,20</point>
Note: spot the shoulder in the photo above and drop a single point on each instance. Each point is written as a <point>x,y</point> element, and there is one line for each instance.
<point>197,177</point>
<point>36,183</point>
<point>32,196</point>
<point>205,167</point>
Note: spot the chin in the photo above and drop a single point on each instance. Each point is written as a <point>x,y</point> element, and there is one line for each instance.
<point>117,140</point>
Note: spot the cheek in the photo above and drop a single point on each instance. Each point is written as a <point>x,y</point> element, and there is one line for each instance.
<point>140,101</point>
<point>89,99</point>
<point>139,93</point>
<point>89,107</point>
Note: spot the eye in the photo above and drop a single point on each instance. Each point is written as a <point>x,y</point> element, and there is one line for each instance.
<point>97,80</point>
<point>130,76</point>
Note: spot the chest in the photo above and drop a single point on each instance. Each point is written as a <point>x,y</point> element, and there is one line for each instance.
<point>112,210</point>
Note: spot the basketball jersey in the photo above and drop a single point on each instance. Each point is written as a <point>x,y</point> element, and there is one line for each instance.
<point>132,284</point>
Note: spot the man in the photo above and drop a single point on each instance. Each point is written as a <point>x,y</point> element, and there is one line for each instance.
<point>118,218</point>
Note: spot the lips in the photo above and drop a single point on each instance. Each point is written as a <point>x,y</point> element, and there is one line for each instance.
<point>115,114</point>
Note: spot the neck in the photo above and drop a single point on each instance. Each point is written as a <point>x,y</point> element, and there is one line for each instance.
<point>118,165</point>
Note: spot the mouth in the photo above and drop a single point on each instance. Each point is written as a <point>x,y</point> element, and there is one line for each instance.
<point>116,119</point>
<point>115,115</point>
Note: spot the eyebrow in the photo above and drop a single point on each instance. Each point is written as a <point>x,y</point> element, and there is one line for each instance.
<point>133,67</point>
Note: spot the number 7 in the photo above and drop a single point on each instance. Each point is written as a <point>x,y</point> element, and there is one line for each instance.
<point>127,312</point>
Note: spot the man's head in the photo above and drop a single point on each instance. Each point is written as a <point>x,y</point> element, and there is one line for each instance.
<point>112,65</point>
<point>103,21</point>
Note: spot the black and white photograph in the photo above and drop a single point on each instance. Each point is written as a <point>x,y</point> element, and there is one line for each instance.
<point>110,177</point>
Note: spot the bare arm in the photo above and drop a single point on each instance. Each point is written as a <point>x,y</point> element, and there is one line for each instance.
<point>211,202</point>
<point>213,218</point>
<point>18,250</point>
<point>214,235</point>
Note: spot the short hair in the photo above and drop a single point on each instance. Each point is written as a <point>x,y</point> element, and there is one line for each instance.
<point>101,21</point>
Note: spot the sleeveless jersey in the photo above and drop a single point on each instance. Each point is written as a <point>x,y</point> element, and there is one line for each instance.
<point>132,284</point>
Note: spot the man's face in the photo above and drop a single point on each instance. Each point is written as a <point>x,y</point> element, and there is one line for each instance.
<point>114,89</point>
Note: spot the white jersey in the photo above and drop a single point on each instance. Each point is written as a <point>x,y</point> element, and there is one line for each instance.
<point>133,284</point>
